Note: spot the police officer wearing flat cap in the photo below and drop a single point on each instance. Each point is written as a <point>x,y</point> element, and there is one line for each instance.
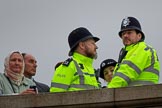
<point>138,62</point>
<point>77,72</point>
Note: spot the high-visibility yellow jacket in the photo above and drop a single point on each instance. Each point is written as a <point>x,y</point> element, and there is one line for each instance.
<point>140,66</point>
<point>74,74</point>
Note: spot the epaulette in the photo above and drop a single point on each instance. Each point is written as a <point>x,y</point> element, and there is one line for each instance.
<point>67,62</point>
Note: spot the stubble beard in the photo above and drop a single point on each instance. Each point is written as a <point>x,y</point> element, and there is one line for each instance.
<point>95,56</point>
<point>91,55</point>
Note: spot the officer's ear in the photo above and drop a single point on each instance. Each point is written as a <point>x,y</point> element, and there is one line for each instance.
<point>81,45</point>
<point>139,36</point>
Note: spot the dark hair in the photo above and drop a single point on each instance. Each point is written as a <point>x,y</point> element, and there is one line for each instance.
<point>23,54</point>
<point>57,65</point>
<point>16,52</point>
<point>137,31</point>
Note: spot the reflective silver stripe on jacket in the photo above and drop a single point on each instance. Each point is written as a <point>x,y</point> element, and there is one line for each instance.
<point>85,86</point>
<point>59,85</point>
<point>64,86</point>
<point>152,70</point>
<point>126,78</point>
<point>81,85</point>
<point>132,65</point>
<point>92,75</point>
<point>136,83</point>
<point>80,73</point>
<point>151,67</point>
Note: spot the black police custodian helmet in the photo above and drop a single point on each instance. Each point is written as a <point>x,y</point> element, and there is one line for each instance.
<point>106,63</point>
<point>130,23</point>
<point>78,35</point>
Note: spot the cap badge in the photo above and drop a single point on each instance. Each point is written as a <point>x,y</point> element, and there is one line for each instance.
<point>103,64</point>
<point>125,21</point>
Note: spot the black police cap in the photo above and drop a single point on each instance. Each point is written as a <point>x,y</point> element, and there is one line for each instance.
<point>130,23</point>
<point>106,63</point>
<point>78,35</point>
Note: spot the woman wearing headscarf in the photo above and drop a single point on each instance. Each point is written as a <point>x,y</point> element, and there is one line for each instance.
<point>12,81</point>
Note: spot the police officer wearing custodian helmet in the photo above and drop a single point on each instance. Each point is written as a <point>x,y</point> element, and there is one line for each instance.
<point>77,73</point>
<point>138,62</point>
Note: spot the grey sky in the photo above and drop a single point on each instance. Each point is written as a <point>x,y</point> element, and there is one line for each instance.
<point>41,28</point>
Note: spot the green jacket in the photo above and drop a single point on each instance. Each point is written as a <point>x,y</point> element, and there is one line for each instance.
<point>140,66</point>
<point>8,88</point>
<point>74,74</point>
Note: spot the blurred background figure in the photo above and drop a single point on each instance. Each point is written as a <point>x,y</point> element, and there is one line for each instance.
<point>12,81</point>
<point>30,71</point>
<point>106,71</point>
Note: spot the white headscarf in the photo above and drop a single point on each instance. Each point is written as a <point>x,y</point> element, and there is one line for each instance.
<point>15,77</point>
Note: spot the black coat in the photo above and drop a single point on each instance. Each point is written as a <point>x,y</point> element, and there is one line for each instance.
<point>41,87</point>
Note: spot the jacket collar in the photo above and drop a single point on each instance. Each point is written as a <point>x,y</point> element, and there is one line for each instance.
<point>127,48</point>
<point>82,59</point>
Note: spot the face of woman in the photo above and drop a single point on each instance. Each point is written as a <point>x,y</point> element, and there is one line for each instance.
<point>16,63</point>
